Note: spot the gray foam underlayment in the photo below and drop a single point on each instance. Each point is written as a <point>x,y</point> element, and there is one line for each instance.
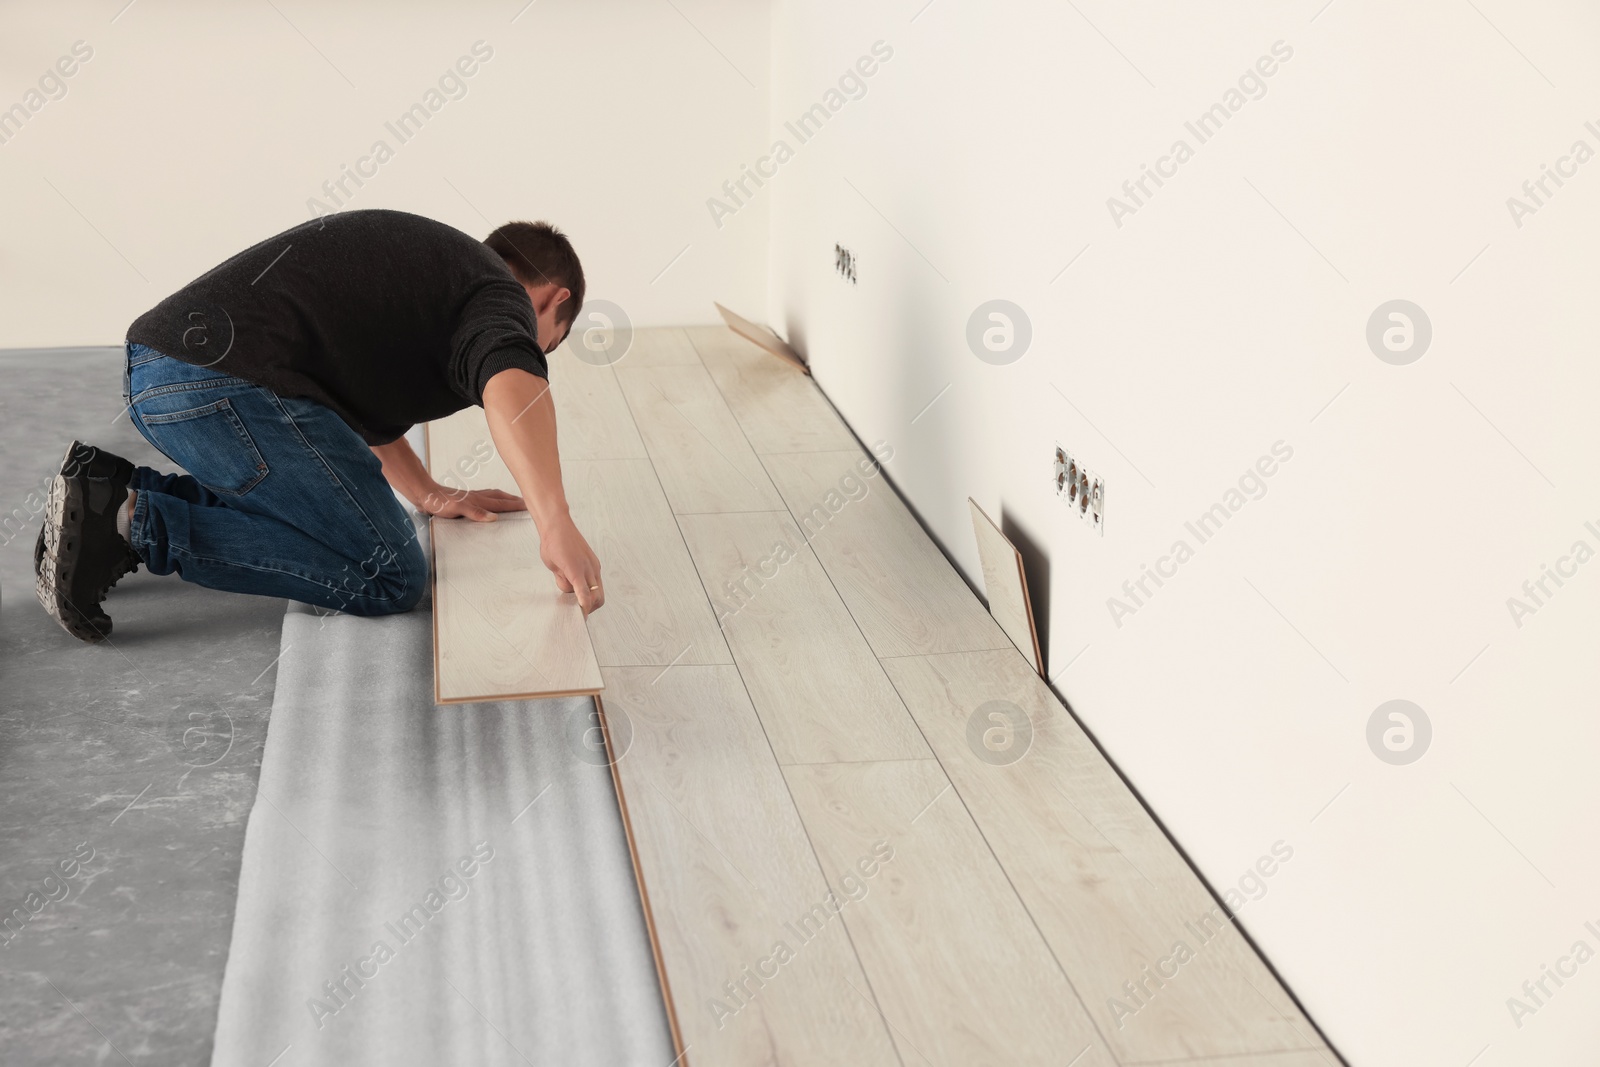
<point>370,797</point>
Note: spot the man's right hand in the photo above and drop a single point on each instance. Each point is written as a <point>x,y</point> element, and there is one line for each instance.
<point>574,564</point>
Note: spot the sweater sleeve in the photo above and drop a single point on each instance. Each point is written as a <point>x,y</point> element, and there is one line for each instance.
<point>495,331</point>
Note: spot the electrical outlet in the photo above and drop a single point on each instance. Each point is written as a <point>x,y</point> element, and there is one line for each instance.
<point>844,262</point>
<point>1082,490</point>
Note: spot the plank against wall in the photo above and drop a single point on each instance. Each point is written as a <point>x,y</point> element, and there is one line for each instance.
<point>819,690</point>
<point>700,454</point>
<point>956,964</point>
<point>655,610</point>
<point>1006,585</point>
<point>502,630</point>
<point>730,875</point>
<point>763,338</point>
<point>1107,889</point>
<point>779,408</point>
<point>901,590</point>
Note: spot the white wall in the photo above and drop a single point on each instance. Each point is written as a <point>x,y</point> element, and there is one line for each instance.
<point>1223,317</point>
<point>197,129</point>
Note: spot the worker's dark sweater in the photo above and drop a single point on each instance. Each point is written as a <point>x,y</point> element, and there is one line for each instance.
<point>389,319</point>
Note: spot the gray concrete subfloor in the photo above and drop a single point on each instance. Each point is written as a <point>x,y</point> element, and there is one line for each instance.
<point>145,749</point>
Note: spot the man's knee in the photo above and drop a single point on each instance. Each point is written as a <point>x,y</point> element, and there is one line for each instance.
<point>393,580</point>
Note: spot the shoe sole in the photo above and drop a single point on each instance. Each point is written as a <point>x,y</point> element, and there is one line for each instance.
<point>64,504</point>
<point>38,546</point>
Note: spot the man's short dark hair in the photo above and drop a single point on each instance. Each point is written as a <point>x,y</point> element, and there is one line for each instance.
<point>537,252</point>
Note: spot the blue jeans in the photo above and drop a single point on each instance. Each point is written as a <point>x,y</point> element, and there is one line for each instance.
<point>282,497</point>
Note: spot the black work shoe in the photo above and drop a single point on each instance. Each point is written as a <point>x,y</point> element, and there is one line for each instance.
<point>83,555</point>
<point>93,462</point>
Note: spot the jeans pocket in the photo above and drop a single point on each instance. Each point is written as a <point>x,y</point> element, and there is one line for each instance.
<point>212,444</point>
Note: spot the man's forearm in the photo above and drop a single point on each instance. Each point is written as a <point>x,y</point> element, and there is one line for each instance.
<point>403,469</point>
<point>522,421</point>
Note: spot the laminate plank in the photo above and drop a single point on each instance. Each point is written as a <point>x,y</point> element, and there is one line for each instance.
<point>1110,893</point>
<point>462,453</point>
<point>1006,585</point>
<point>655,610</point>
<point>901,590</point>
<point>700,454</point>
<point>763,337</point>
<point>660,346</point>
<point>956,964</point>
<point>592,419</point>
<point>502,630</point>
<point>819,690</point>
<point>758,968</point>
<point>592,422</point>
<point>778,409</point>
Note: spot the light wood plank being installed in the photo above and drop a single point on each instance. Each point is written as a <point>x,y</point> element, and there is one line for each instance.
<point>779,409</point>
<point>1006,585</point>
<point>957,966</point>
<point>1109,892</point>
<point>901,590</point>
<point>660,346</point>
<point>502,631</point>
<point>700,454</point>
<point>655,610</point>
<point>821,693</point>
<point>730,876</point>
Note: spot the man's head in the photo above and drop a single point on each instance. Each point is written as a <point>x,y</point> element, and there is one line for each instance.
<point>542,259</point>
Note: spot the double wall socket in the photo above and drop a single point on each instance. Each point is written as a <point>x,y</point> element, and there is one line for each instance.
<point>1081,489</point>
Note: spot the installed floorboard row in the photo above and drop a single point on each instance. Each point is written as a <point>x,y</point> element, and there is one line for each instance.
<point>903,593</point>
<point>660,346</point>
<point>820,692</point>
<point>760,969</point>
<point>1109,892</point>
<point>592,420</point>
<point>700,454</point>
<point>960,971</point>
<point>778,406</point>
<point>655,610</point>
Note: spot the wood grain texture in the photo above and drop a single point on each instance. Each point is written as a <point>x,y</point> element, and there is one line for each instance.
<point>592,419</point>
<point>779,410</point>
<point>462,454</point>
<point>502,631</point>
<point>1006,585</point>
<point>819,690</point>
<point>660,346</point>
<point>655,610</point>
<point>729,874</point>
<point>764,338</point>
<point>700,454</point>
<point>901,590</point>
<point>955,962</point>
<point>1107,889</point>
